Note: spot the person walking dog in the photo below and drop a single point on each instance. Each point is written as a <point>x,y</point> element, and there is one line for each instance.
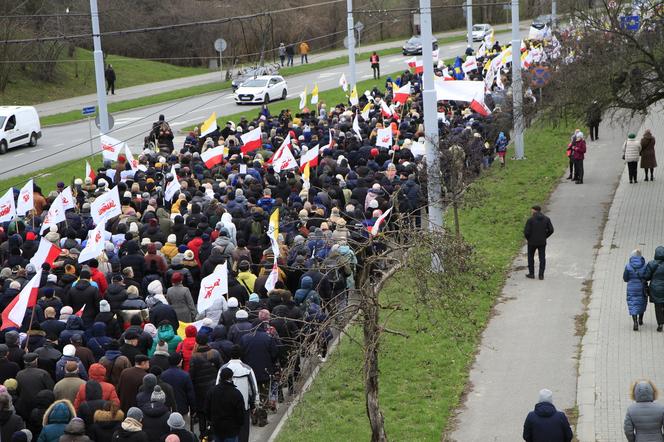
<point>538,228</point>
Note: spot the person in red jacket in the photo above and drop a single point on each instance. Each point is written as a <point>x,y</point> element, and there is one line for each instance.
<point>578,154</point>
<point>186,347</point>
<point>97,276</point>
<point>97,372</point>
<point>195,244</point>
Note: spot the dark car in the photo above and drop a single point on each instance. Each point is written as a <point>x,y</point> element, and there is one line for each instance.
<point>414,46</point>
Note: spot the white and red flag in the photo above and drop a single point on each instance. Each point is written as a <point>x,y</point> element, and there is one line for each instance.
<point>95,244</point>
<point>55,215</point>
<point>402,94</point>
<point>212,157</point>
<point>106,206</point>
<point>213,288</point>
<point>283,158</point>
<point>110,147</point>
<point>7,206</point>
<point>310,157</point>
<point>251,141</point>
<point>26,199</point>
<point>14,313</point>
<point>68,201</point>
<point>46,252</point>
<point>90,172</point>
<point>375,229</point>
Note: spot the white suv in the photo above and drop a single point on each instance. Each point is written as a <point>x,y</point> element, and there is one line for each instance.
<point>261,89</point>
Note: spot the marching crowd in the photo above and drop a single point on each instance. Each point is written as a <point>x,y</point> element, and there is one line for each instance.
<point>116,346</point>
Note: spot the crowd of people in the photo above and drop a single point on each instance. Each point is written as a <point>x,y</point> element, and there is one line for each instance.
<point>115,347</point>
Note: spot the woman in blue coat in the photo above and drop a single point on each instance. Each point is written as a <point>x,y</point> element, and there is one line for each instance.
<point>636,294</point>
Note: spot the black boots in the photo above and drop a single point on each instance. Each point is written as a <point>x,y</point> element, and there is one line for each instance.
<point>636,323</point>
<point>641,319</point>
<point>659,327</point>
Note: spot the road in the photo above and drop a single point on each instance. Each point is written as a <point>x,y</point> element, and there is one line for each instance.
<point>72,141</point>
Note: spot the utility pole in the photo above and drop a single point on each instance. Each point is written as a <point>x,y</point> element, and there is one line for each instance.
<point>351,43</point>
<point>99,69</point>
<point>430,120</point>
<point>517,88</point>
<point>469,22</point>
<point>554,12</point>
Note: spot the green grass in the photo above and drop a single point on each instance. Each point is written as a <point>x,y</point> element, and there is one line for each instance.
<point>76,77</point>
<point>423,377</point>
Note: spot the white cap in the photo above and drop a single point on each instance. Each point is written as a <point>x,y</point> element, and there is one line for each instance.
<point>69,350</point>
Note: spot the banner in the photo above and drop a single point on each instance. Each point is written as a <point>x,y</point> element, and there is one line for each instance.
<point>7,207</point>
<point>106,207</point>
<point>384,137</point>
<point>26,199</point>
<point>94,245</point>
<point>110,147</point>
<point>213,287</point>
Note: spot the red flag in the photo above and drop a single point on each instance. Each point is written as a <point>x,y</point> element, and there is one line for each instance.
<point>480,108</point>
<point>251,140</point>
<point>80,312</point>
<point>13,314</point>
<point>402,94</point>
<point>47,252</point>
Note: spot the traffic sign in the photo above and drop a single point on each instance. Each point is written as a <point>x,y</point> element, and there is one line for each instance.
<point>111,122</point>
<point>541,75</point>
<point>220,45</point>
<point>359,26</point>
<point>88,110</point>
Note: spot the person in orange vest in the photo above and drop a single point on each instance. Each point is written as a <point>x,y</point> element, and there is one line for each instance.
<point>375,64</point>
<point>304,51</point>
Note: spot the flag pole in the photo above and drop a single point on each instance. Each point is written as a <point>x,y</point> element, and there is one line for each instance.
<point>27,337</point>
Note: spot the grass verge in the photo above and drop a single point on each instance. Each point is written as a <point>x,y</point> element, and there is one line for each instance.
<point>424,376</point>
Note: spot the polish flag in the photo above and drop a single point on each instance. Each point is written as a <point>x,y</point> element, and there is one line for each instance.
<point>331,142</point>
<point>376,227</point>
<point>90,172</point>
<point>212,157</point>
<point>283,158</point>
<point>310,157</point>
<point>416,64</point>
<point>275,156</point>
<point>402,94</point>
<point>385,109</point>
<point>26,199</point>
<point>463,90</point>
<point>14,313</point>
<point>80,312</point>
<point>251,141</point>
<point>47,252</point>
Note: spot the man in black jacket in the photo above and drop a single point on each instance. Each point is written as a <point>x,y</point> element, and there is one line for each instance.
<point>538,228</point>
<point>227,415</point>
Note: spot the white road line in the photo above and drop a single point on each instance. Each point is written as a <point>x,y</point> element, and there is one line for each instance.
<point>367,76</point>
<point>37,150</point>
<point>327,74</point>
<point>59,144</point>
<point>18,155</point>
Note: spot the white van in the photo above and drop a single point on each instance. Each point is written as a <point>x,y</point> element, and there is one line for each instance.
<point>19,125</point>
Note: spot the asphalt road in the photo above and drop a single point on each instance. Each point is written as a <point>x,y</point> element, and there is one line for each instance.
<point>72,141</point>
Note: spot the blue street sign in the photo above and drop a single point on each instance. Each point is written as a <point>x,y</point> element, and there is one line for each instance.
<point>630,22</point>
<point>89,110</point>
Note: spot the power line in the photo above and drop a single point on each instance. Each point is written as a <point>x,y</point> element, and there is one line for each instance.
<point>215,21</point>
<point>35,16</point>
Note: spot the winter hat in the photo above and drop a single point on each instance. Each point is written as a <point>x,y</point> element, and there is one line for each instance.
<point>161,347</point>
<point>52,278</point>
<point>20,436</point>
<point>155,288</point>
<point>69,350</point>
<point>176,278</point>
<point>11,384</point>
<point>158,395</point>
<point>254,297</point>
<point>631,136</point>
<point>635,252</point>
<point>232,302</point>
<point>104,306</point>
<point>546,395</point>
<point>172,238</point>
<point>149,381</point>
<point>175,421</point>
<point>150,329</point>
<point>135,413</point>
<point>241,314</point>
<point>188,255</point>
<point>182,248</point>
<point>65,312</point>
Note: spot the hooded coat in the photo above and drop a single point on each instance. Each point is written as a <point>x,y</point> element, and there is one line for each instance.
<point>179,297</point>
<point>654,272</point>
<point>105,424</point>
<point>56,418</point>
<point>167,334</point>
<point>636,295</point>
<point>75,432</point>
<point>131,431</point>
<point>546,424</point>
<point>10,422</point>
<point>155,415</point>
<point>644,419</point>
<point>648,159</point>
<point>108,393</point>
<point>186,347</point>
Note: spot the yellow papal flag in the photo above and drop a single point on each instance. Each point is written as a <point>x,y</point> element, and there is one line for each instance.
<point>314,94</point>
<point>306,184</point>
<point>210,125</point>
<point>354,100</point>
<point>273,229</point>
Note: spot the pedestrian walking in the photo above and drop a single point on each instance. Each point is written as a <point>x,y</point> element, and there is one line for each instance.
<point>538,228</point>
<point>631,154</point>
<point>109,73</point>
<point>637,300</point>
<point>304,52</point>
<point>290,53</point>
<point>282,53</point>
<point>225,407</point>
<point>375,65</point>
<point>593,118</point>
<point>654,272</point>
<point>644,419</point>
<point>648,159</point>
<point>501,147</point>
<point>545,423</point>
<point>579,154</point>
<point>570,149</point>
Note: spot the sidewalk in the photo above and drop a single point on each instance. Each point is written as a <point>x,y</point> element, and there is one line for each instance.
<point>144,90</point>
<point>531,343</point>
<point>613,355</point>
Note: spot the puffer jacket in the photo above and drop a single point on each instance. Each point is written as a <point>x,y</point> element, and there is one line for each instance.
<point>56,418</point>
<point>98,373</point>
<point>632,150</point>
<point>169,250</point>
<point>203,368</point>
<point>186,347</point>
<point>167,334</point>
<point>636,298</point>
<point>654,272</point>
<point>644,419</point>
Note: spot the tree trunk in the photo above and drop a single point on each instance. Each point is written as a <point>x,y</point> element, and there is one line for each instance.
<point>371,338</point>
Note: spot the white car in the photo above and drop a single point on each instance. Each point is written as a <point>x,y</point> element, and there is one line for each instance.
<point>480,31</point>
<point>261,89</point>
<point>19,125</point>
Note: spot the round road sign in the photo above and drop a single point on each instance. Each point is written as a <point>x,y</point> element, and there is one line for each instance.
<point>111,121</point>
<point>220,45</point>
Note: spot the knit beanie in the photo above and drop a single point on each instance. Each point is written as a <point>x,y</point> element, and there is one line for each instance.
<point>158,395</point>
<point>546,396</point>
<point>135,413</point>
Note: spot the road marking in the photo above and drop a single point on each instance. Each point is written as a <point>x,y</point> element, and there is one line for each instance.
<point>327,74</point>
<point>59,144</point>
<point>37,150</point>
<point>18,155</point>
<point>367,76</point>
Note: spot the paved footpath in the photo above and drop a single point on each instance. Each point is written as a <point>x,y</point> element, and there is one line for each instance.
<point>613,355</point>
<point>531,341</point>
